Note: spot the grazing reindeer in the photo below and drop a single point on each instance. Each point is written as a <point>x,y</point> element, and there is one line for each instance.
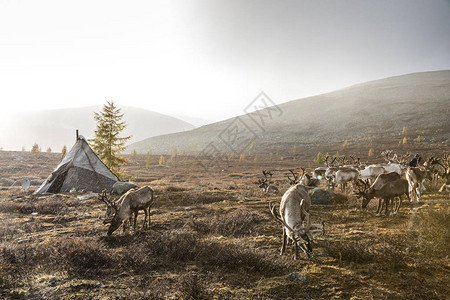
<point>265,183</point>
<point>294,217</point>
<point>127,205</point>
<point>387,193</point>
<point>381,180</point>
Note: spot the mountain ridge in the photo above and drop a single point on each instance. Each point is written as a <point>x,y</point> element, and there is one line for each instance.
<point>367,111</point>
<point>56,127</point>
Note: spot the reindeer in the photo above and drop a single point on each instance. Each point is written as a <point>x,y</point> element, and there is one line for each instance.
<point>381,180</point>
<point>265,183</point>
<point>345,175</point>
<point>294,216</point>
<point>387,193</point>
<point>445,172</point>
<point>307,180</point>
<point>434,165</point>
<point>127,205</point>
<point>371,172</point>
<point>416,177</point>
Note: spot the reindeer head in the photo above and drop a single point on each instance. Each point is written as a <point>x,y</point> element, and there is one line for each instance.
<point>111,207</point>
<point>297,233</point>
<point>305,178</point>
<point>364,191</point>
<point>264,183</point>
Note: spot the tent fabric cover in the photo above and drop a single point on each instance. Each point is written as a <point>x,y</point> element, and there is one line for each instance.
<point>80,169</point>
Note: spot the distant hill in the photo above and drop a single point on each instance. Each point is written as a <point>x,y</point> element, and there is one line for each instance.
<point>364,113</point>
<point>56,128</point>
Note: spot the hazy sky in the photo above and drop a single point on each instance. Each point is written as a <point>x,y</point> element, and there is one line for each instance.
<point>209,59</point>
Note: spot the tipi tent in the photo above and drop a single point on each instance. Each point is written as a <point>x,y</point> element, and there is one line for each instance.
<point>80,169</point>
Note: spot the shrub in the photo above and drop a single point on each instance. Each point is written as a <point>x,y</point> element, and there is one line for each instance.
<point>238,222</point>
<point>386,252</point>
<point>432,230</point>
<point>191,287</point>
<point>180,247</point>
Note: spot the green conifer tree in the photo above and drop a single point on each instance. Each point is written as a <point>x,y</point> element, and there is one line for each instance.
<point>108,144</point>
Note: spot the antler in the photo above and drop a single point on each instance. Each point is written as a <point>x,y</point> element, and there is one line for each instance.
<point>403,158</point>
<point>303,171</point>
<point>343,160</point>
<point>104,198</point>
<point>388,155</point>
<point>353,159</point>
<point>277,216</point>
<point>365,186</point>
<point>295,180</point>
<point>267,173</point>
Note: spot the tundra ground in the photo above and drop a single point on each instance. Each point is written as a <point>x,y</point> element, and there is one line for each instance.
<point>212,237</point>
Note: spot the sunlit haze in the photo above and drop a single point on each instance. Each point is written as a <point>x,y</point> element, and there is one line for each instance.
<point>209,59</point>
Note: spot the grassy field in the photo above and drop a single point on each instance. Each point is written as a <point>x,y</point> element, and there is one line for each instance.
<point>212,237</point>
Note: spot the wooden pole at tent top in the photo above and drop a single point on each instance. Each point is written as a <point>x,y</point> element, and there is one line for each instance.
<point>77,135</point>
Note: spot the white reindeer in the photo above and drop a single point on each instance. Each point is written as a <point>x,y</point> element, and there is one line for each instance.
<point>295,219</point>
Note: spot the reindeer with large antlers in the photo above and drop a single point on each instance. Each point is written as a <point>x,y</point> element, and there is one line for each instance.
<point>294,216</point>
<point>387,188</point>
<point>265,185</point>
<point>128,205</point>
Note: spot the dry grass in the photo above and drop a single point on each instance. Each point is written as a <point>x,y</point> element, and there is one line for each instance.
<point>212,237</point>
<point>430,232</point>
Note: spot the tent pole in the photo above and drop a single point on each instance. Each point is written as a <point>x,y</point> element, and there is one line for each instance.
<point>77,135</point>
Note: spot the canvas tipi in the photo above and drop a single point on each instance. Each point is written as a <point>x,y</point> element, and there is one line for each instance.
<point>80,170</point>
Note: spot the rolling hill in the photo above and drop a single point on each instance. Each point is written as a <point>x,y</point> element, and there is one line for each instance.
<point>55,128</point>
<point>362,114</point>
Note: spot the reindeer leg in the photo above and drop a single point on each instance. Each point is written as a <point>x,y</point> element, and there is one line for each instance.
<point>145,219</point>
<point>418,192</point>
<point>379,207</point>
<point>135,219</point>
<point>297,256</point>
<point>149,216</point>
<point>283,245</point>
<point>392,206</point>
<point>389,200</point>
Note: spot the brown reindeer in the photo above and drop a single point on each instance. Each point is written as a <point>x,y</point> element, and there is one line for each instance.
<point>127,205</point>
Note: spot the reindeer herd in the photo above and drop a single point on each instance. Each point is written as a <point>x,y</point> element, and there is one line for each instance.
<point>387,182</point>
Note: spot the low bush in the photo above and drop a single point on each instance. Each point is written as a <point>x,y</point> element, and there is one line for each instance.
<point>430,233</point>
<point>180,247</point>
<point>52,205</point>
<point>235,223</point>
<point>385,253</point>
